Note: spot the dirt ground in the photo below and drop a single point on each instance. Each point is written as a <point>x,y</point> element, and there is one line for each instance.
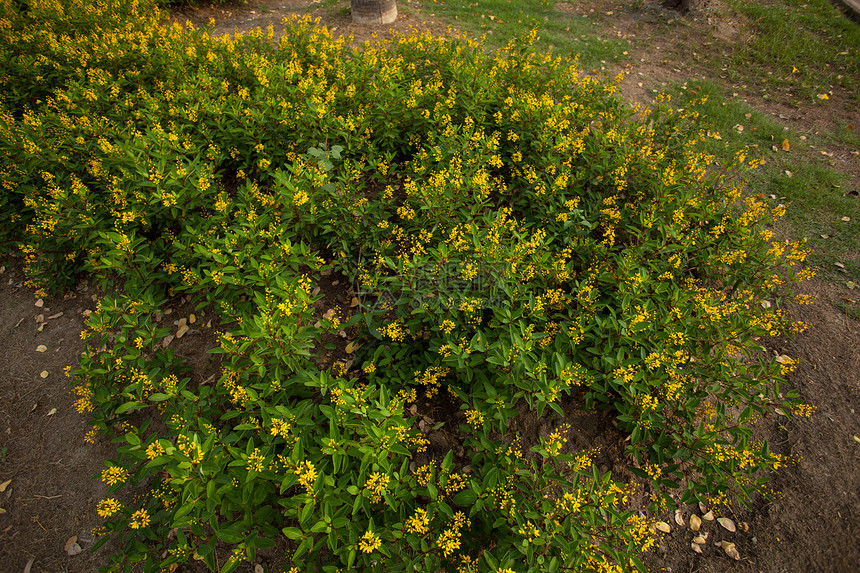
<point>47,489</point>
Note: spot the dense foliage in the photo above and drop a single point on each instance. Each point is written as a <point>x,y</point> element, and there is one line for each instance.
<point>514,237</point>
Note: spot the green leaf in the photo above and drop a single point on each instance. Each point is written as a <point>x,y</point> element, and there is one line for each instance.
<point>292,532</point>
<point>128,406</point>
<point>465,498</point>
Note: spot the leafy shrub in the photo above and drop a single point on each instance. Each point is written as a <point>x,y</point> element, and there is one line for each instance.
<point>513,233</point>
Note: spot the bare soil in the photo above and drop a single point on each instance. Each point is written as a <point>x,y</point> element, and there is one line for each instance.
<point>814,526</point>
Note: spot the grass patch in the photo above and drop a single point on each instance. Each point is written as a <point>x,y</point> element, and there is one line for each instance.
<point>810,47</point>
<point>560,28</point>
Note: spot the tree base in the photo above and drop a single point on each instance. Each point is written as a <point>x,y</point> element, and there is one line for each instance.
<point>373,11</point>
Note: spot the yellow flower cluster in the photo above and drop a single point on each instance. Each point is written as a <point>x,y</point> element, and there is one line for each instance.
<point>375,486</point>
<point>418,523</point>
<point>139,519</point>
<point>108,507</point>
<point>256,461</point>
<point>114,475</point>
<point>307,475</point>
<point>475,419</point>
<point>449,540</point>
<point>369,542</point>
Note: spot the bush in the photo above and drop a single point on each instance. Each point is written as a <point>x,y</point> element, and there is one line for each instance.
<point>516,239</point>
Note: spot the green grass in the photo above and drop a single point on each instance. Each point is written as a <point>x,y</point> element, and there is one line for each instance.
<point>808,45</point>
<point>560,29</point>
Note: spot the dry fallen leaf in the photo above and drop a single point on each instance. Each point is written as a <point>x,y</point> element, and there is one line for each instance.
<point>730,550</point>
<point>258,568</point>
<point>29,565</point>
<point>350,348</point>
<point>856,439</point>
<point>192,319</point>
<point>846,219</point>
<point>840,265</point>
<point>165,342</point>
<point>744,526</point>
<point>783,359</point>
<point>41,348</point>
<point>785,145</point>
<point>43,374</point>
<point>695,548</point>
<point>699,540</point>
<point>52,411</point>
<point>40,303</point>
<point>679,518</point>
<point>825,236</point>
<point>695,522</point>
<point>182,330</point>
<point>72,547</point>
<point>6,483</point>
<point>727,523</point>
<point>663,526</point>
<point>708,516</point>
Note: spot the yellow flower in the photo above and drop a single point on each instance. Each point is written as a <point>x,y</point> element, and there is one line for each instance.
<point>139,519</point>
<point>108,507</point>
<point>418,523</point>
<point>369,542</point>
<point>475,419</point>
<point>376,485</point>
<point>154,450</point>
<point>307,475</point>
<point>114,475</point>
<point>255,461</point>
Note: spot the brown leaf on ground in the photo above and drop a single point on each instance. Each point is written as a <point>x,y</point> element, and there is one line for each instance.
<point>71,545</point>
<point>695,522</point>
<point>730,550</point>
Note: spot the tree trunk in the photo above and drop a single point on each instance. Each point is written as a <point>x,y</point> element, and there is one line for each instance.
<point>374,11</point>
